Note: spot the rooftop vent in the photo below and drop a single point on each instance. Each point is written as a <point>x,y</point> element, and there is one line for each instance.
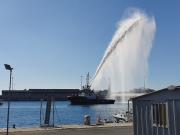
<point>171,87</point>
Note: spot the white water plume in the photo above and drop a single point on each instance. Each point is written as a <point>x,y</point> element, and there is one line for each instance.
<point>125,62</point>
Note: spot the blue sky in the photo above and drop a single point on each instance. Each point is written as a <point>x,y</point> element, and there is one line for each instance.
<point>51,43</point>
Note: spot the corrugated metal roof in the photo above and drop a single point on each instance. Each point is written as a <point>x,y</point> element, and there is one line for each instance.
<point>169,88</point>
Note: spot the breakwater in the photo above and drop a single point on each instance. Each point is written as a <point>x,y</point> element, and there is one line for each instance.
<point>38,94</point>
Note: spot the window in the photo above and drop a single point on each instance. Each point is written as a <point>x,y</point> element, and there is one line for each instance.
<point>163,115</point>
<point>159,114</point>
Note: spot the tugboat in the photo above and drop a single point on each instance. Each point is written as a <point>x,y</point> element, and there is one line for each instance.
<point>88,96</point>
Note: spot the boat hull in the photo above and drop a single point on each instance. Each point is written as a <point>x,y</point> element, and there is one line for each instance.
<point>84,101</point>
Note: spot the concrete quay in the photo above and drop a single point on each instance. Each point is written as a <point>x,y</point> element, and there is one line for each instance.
<point>107,129</point>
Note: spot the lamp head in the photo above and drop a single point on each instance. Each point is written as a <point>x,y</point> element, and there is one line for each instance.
<point>8,67</point>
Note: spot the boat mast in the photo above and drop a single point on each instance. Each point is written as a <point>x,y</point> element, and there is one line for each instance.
<point>81,82</point>
<point>87,80</point>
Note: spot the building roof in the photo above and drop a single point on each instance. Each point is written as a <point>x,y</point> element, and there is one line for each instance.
<point>171,92</point>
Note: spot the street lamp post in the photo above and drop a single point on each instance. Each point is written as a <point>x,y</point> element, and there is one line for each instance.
<point>8,67</point>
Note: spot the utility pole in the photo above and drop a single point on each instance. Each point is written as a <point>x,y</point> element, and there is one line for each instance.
<point>8,67</point>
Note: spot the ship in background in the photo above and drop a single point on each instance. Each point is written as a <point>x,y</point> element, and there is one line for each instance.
<point>89,97</point>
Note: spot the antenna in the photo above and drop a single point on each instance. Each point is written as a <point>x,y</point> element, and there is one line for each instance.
<point>81,81</point>
<point>144,82</point>
<point>87,79</point>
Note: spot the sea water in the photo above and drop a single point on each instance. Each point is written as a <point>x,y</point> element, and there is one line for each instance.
<point>27,114</point>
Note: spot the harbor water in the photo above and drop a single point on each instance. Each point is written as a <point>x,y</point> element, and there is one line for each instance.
<point>27,114</point>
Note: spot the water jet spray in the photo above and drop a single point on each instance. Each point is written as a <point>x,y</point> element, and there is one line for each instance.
<point>125,61</point>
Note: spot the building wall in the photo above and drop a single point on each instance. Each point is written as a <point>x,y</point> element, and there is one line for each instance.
<point>143,119</point>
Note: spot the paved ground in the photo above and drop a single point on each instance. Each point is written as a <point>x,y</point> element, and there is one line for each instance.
<point>115,130</point>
